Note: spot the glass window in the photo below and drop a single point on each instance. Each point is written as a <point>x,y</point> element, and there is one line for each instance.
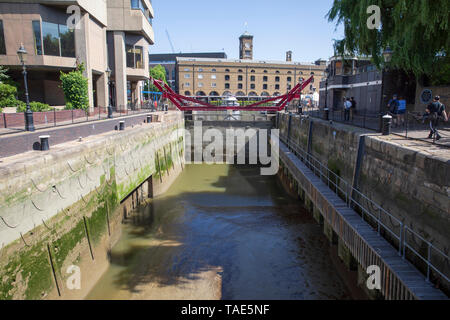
<point>252,86</point>
<point>187,84</point>
<point>265,78</point>
<point>50,32</point>
<point>240,86</point>
<point>277,79</point>
<point>227,86</point>
<point>187,69</point>
<point>139,57</point>
<point>37,37</point>
<point>289,79</point>
<point>187,76</point>
<point>240,78</point>
<point>264,86</point>
<point>67,41</point>
<point>137,4</point>
<point>213,76</point>
<point>200,76</point>
<point>227,78</point>
<point>277,87</point>
<point>200,85</point>
<point>252,78</point>
<point>213,85</point>
<point>130,56</point>
<point>2,39</point>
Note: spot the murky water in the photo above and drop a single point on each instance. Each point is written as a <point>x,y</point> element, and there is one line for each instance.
<point>222,232</point>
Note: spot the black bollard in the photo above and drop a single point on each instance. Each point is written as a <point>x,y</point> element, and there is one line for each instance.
<point>326,114</point>
<point>44,143</point>
<point>386,125</point>
<point>149,118</point>
<point>121,125</point>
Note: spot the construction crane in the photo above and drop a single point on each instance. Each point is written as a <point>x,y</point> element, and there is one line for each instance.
<point>170,41</point>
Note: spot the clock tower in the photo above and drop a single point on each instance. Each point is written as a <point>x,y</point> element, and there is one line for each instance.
<point>246,46</point>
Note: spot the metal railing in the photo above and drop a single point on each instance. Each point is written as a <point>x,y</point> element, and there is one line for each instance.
<point>410,125</point>
<point>15,122</point>
<point>224,116</point>
<point>398,231</point>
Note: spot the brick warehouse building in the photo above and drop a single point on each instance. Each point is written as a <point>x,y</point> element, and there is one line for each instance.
<point>244,77</point>
<point>114,33</point>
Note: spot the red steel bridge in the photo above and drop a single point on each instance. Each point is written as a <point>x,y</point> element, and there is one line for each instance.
<point>274,104</point>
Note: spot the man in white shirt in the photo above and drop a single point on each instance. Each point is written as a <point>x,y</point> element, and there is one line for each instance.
<point>347,108</point>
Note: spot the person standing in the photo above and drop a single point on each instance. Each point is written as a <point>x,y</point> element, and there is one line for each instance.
<point>353,108</point>
<point>347,108</point>
<point>436,111</point>
<point>393,106</point>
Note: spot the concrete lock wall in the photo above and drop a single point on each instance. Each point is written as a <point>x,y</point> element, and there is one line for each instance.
<point>63,208</point>
<point>411,185</point>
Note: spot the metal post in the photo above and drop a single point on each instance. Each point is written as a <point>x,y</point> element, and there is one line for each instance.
<point>428,262</point>
<point>29,121</point>
<point>54,116</point>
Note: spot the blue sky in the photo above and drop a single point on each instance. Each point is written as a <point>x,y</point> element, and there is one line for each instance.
<point>277,25</point>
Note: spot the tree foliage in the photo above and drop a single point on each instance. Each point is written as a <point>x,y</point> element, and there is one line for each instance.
<point>3,75</point>
<point>418,32</point>
<point>75,87</point>
<point>158,72</point>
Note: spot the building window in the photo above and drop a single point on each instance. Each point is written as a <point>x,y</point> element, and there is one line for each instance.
<point>253,71</point>
<point>213,70</point>
<point>200,70</point>
<point>240,71</point>
<point>264,86</point>
<point>50,33</point>
<point>277,79</point>
<point>277,87</point>
<point>67,38</point>
<point>248,53</point>
<point>277,71</point>
<point>252,78</point>
<point>240,86</point>
<point>265,71</point>
<point>200,85</point>
<point>187,84</point>
<point>289,79</point>
<point>58,40</point>
<point>200,76</point>
<point>289,87</point>
<point>227,70</point>
<point>289,72</point>
<point>252,86</point>
<point>227,78</point>
<point>134,57</point>
<point>240,78</point>
<point>213,76</point>
<point>2,39</point>
<point>213,85</point>
<point>187,69</point>
<point>227,86</point>
<point>137,4</point>
<point>265,78</point>
<point>187,76</point>
<point>37,37</point>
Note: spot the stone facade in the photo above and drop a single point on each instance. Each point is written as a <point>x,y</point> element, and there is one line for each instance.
<point>60,208</point>
<point>31,22</point>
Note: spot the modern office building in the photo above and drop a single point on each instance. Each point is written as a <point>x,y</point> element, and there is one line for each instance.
<point>117,32</point>
<point>169,60</point>
<point>244,77</point>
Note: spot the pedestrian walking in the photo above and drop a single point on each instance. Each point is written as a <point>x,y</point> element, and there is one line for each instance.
<point>393,107</point>
<point>353,108</point>
<point>347,108</point>
<point>436,112</point>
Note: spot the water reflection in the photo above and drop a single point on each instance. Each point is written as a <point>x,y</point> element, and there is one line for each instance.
<point>221,232</point>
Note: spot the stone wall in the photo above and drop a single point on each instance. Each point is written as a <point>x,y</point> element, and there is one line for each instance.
<point>412,185</point>
<point>63,207</point>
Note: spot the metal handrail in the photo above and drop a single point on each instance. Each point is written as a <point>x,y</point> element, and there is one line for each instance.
<point>348,192</point>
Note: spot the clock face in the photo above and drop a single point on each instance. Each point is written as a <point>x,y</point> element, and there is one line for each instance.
<point>247,45</point>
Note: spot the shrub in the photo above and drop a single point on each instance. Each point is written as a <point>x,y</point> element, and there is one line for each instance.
<point>34,106</point>
<point>75,87</point>
<point>8,95</point>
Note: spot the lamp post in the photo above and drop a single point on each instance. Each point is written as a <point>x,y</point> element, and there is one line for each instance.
<point>386,120</point>
<point>29,123</point>
<point>327,111</point>
<point>108,74</point>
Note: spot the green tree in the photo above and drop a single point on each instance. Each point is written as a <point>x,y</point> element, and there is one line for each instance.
<point>75,87</point>
<point>3,75</point>
<point>158,72</point>
<point>417,31</point>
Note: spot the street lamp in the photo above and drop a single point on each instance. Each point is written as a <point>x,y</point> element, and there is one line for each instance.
<point>327,111</point>
<point>386,120</point>
<point>29,123</point>
<point>108,74</point>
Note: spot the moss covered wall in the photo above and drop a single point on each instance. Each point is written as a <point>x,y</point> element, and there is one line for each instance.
<point>57,207</point>
<point>412,185</point>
